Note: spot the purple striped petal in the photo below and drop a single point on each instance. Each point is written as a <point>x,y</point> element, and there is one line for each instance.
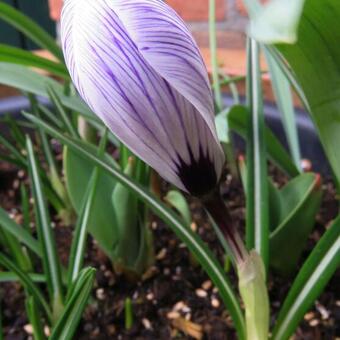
<point>150,107</point>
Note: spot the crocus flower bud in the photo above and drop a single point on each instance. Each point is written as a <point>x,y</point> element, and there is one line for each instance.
<point>136,65</point>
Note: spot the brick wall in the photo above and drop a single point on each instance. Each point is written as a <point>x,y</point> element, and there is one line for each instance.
<point>231,19</point>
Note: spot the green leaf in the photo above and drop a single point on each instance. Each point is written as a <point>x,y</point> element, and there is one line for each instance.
<point>50,258</point>
<point>310,282</point>
<point>194,243</point>
<point>213,53</point>
<point>315,60</point>
<point>24,79</point>
<point>299,202</point>
<point>17,252</point>
<point>276,22</point>
<point>18,56</point>
<point>257,227</point>
<point>102,222</point>
<point>19,232</point>
<point>34,318</point>
<point>12,277</point>
<point>29,28</point>
<point>222,126</point>
<point>68,322</point>
<point>79,237</point>
<point>55,99</point>
<point>131,252</point>
<point>178,201</point>
<point>285,104</point>
<point>238,118</point>
<point>27,282</point>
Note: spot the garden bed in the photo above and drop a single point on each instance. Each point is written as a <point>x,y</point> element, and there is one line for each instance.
<point>175,298</point>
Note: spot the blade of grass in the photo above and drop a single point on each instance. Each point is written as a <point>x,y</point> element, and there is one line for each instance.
<point>50,258</point>
<point>50,115</point>
<point>60,109</point>
<point>310,282</point>
<point>194,243</point>
<point>68,323</point>
<point>13,277</point>
<point>285,104</point>
<point>79,238</point>
<point>27,282</point>
<point>238,117</point>
<point>213,53</point>
<point>16,154</point>
<point>17,252</point>
<point>19,233</point>
<point>18,56</point>
<point>257,228</point>
<point>29,28</point>
<point>25,207</point>
<point>34,318</point>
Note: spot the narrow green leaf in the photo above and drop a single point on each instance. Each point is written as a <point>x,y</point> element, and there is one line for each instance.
<point>68,322</point>
<point>178,201</point>
<point>79,237</point>
<point>18,56</point>
<point>27,282</point>
<point>61,111</point>
<point>78,171</point>
<point>29,28</point>
<point>257,233</point>
<point>25,79</point>
<point>238,118</point>
<point>194,243</point>
<point>299,202</point>
<point>17,252</point>
<point>50,257</point>
<point>285,104</point>
<point>12,277</point>
<point>19,232</point>
<point>310,282</point>
<point>34,318</point>
<point>25,206</point>
<point>128,314</point>
<point>213,53</point>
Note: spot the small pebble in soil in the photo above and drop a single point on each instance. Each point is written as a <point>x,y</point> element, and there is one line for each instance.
<point>100,294</point>
<point>179,306</point>
<point>309,316</point>
<point>47,331</point>
<point>193,227</point>
<point>173,315</point>
<point>150,296</point>
<point>201,293</point>
<point>146,323</point>
<point>314,323</point>
<point>161,255</point>
<point>28,329</point>
<point>206,285</point>
<point>215,303</point>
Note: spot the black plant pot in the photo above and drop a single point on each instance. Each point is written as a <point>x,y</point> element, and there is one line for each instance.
<point>310,145</point>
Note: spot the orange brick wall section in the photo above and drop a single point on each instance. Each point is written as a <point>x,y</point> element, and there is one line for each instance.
<point>197,10</point>
<point>191,10</point>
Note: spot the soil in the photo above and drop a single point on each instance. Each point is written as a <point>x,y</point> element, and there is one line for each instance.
<point>175,298</point>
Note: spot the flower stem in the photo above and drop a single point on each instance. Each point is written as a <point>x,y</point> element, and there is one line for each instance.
<point>220,214</point>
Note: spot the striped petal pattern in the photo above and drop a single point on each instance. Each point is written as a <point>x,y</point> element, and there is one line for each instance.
<point>136,65</point>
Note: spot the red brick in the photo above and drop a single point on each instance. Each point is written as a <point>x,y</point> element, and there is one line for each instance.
<point>55,9</point>
<point>242,8</point>
<point>197,10</point>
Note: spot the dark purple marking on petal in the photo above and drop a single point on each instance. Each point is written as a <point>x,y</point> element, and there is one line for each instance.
<point>199,177</point>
